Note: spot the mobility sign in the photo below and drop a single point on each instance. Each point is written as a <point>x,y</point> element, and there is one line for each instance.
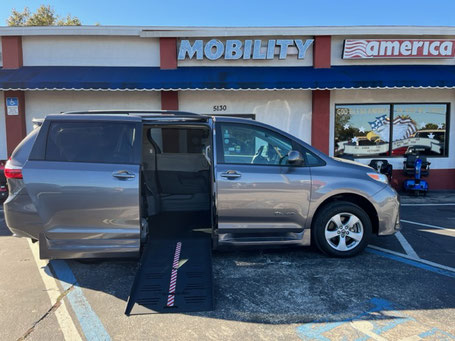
<point>234,49</point>
<point>12,106</point>
<point>398,48</point>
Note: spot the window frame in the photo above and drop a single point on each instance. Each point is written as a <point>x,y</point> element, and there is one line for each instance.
<point>42,150</point>
<point>391,117</point>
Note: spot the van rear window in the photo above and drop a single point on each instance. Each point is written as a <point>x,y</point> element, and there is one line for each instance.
<point>96,142</point>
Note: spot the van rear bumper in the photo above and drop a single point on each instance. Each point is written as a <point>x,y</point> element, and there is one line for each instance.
<point>21,216</point>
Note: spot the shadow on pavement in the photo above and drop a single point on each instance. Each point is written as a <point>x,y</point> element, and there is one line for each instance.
<point>3,229</point>
<point>298,285</point>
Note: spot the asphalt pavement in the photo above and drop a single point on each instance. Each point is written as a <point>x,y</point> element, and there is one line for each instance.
<point>399,288</point>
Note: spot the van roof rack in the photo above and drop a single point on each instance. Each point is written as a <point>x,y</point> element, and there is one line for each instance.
<point>143,113</point>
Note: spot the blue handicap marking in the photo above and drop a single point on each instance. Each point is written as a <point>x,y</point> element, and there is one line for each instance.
<point>12,101</point>
<point>381,317</point>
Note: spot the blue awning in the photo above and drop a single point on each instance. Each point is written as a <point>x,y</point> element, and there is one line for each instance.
<point>226,78</point>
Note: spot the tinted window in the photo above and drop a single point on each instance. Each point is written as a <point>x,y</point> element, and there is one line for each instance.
<point>98,142</point>
<point>252,145</point>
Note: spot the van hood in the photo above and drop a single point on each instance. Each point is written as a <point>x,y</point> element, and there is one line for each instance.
<point>353,163</point>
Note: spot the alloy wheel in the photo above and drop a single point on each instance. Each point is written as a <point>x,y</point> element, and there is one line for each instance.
<point>344,231</point>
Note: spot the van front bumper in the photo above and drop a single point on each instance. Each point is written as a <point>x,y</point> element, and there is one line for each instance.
<point>387,204</point>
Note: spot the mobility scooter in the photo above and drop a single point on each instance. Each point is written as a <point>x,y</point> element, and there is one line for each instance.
<point>416,166</point>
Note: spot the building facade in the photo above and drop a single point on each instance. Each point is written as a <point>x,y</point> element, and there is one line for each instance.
<point>358,92</point>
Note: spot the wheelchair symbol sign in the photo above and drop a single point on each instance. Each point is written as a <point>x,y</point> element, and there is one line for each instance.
<point>12,106</point>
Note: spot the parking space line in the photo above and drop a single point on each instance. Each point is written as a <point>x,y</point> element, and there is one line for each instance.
<point>426,225</point>
<point>444,204</point>
<point>366,327</point>
<point>64,319</point>
<point>90,323</point>
<point>405,245</point>
<point>445,233</point>
<point>420,263</point>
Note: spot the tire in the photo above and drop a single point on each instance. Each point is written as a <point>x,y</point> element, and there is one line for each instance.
<point>335,236</point>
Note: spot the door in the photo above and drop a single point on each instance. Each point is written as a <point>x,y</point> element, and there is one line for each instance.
<point>257,191</point>
<point>83,177</point>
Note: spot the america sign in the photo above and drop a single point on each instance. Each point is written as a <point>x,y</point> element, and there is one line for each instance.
<point>398,48</point>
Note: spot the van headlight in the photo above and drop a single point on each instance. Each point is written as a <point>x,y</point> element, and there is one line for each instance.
<point>379,177</point>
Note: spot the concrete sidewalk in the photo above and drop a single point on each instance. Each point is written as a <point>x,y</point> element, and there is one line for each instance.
<point>432,197</point>
<point>24,301</point>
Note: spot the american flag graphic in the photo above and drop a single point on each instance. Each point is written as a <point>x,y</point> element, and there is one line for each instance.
<point>378,122</point>
<point>354,48</point>
<point>403,128</point>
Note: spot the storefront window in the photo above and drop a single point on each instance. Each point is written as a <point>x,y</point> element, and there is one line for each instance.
<point>421,127</point>
<point>356,130</point>
<point>366,130</point>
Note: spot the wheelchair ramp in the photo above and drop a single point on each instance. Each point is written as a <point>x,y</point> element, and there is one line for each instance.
<point>174,276</point>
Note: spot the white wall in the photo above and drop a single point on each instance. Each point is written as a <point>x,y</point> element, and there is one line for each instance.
<point>3,150</point>
<point>337,53</point>
<point>291,59</point>
<point>90,51</point>
<point>398,96</point>
<point>40,103</point>
<point>286,110</point>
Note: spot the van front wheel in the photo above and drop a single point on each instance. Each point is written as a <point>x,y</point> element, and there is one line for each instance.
<point>342,229</point>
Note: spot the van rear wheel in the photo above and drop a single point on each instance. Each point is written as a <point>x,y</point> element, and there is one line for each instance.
<point>342,229</point>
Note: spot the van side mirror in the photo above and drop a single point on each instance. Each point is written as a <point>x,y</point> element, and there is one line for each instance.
<point>295,158</point>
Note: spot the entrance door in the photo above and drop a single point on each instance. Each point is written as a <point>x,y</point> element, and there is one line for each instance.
<point>257,191</point>
<point>83,177</point>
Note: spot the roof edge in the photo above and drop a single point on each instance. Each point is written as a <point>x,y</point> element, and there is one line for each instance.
<point>200,31</point>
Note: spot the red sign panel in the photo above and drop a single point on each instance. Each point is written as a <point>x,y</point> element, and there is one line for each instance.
<point>398,48</point>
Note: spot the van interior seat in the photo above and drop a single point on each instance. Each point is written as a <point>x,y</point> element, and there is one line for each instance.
<point>183,180</point>
<point>176,181</point>
<point>182,173</point>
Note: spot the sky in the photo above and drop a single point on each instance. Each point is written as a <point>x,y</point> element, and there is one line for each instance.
<point>247,12</point>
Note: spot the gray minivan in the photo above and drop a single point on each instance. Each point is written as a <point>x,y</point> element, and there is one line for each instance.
<point>101,183</point>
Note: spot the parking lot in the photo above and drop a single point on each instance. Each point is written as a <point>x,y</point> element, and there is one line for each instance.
<point>401,287</point>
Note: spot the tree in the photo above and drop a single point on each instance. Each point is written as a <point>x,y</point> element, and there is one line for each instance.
<point>18,18</point>
<point>431,126</point>
<point>44,16</point>
<point>342,117</point>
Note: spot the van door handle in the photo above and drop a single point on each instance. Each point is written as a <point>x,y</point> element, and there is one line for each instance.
<point>123,175</point>
<point>231,174</point>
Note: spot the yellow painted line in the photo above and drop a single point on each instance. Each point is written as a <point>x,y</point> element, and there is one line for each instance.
<point>66,323</point>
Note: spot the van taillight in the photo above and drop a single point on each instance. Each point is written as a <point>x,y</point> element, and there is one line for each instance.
<point>12,172</point>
